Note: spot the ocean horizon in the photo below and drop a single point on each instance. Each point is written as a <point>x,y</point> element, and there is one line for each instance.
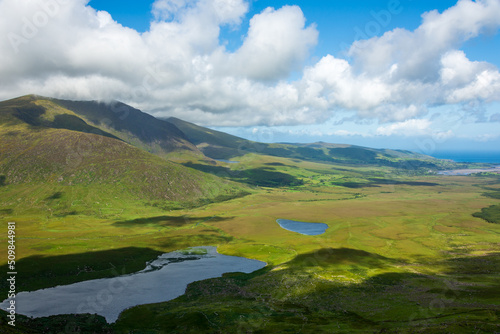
<point>469,156</point>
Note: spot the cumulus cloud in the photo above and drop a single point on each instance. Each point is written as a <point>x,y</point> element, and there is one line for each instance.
<point>417,53</point>
<point>180,68</point>
<point>396,76</point>
<point>342,87</point>
<point>415,128</point>
<point>407,128</point>
<point>277,41</point>
<point>176,68</point>
<point>166,9</point>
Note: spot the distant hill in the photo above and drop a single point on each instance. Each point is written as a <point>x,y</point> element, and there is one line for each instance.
<point>220,145</point>
<point>47,146</point>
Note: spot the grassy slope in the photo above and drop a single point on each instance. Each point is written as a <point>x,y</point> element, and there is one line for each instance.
<point>219,145</point>
<point>403,253</point>
<point>216,144</point>
<point>113,119</point>
<point>35,152</point>
<point>135,127</point>
<point>72,191</point>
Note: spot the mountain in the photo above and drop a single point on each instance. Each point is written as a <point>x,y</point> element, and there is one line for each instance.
<point>220,145</point>
<point>47,147</point>
<point>133,126</point>
<point>216,144</point>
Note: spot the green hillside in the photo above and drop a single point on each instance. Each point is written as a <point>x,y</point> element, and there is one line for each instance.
<point>133,126</point>
<point>406,250</point>
<point>220,145</point>
<point>52,148</point>
<point>215,144</point>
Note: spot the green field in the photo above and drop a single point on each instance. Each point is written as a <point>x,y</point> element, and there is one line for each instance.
<point>96,195</point>
<point>403,252</point>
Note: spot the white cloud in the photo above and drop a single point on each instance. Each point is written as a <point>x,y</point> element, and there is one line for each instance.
<point>166,9</point>
<point>410,127</point>
<point>484,86</point>
<point>415,128</point>
<point>396,77</point>
<point>176,68</point>
<point>343,88</point>
<point>277,42</point>
<point>418,53</point>
<point>179,67</point>
<point>468,80</point>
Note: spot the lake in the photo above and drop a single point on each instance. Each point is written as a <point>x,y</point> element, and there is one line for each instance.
<point>163,279</point>
<point>302,227</point>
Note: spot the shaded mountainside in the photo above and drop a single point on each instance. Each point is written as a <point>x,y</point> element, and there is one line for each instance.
<point>133,126</point>
<point>45,145</point>
<point>220,145</point>
<point>216,144</point>
<point>114,119</point>
<point>177,138</point>
<point>41,113</point>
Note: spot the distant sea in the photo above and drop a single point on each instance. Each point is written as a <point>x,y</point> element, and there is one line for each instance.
<point>467,156</point>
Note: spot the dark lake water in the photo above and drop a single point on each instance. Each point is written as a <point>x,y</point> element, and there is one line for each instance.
<point>302,227</point>
<point>163,279</point>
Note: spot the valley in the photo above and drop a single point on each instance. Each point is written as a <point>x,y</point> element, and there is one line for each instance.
<point>406,250</point>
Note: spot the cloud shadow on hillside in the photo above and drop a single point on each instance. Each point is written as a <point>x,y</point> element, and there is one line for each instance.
<point>262,177</point>
<point>169,221</point>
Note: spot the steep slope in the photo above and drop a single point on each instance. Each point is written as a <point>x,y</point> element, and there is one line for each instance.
<point>215,144</point>
<point>133,126</point>
<point>55,149</point>
<point>39,112</point>
<point>219,145</point>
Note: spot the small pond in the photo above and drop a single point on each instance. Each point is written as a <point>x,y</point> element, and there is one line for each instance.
<point>302,227</point>
<point>163,279</point>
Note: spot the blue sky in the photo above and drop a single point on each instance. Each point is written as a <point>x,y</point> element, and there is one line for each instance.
<point>337,21</point>
<point>411,74</point>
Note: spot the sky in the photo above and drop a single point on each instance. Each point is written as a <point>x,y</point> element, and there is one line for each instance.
<point>407,74</point>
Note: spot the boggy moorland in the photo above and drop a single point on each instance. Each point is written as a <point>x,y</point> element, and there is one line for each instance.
<point>406,250</point>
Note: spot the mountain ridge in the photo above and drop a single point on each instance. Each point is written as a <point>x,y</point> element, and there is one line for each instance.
<point>35,152</point>
<point>219,145</point>
<point>133,125</point>
<point>174,138</point>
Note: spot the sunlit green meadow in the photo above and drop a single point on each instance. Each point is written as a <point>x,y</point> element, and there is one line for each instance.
<point>403,252</point>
